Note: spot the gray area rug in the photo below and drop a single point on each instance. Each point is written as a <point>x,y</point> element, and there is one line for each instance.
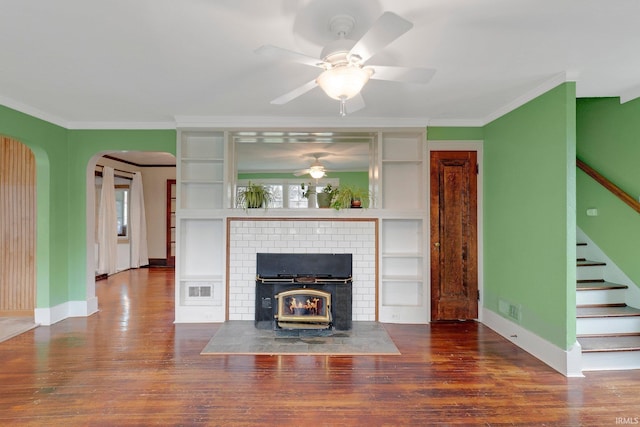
<point>242,337</point>
<point>13,326</point>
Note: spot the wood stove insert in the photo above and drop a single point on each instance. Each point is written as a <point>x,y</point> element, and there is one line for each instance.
<point>303,291</point>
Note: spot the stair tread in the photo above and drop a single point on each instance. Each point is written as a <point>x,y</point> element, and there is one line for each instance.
<point>598,285</point>
<point>588,263</point>
<point>623,311</point>
<point>610,343</point>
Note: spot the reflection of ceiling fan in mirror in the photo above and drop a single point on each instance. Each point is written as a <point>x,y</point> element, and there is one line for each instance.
<point>343,61</point>
<point>316,170</point>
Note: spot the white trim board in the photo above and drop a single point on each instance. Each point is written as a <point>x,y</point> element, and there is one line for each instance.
<point>49,316</point>
<point>567,362</point>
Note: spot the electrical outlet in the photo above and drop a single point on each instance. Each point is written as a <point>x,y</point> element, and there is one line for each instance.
<point>509,310</point>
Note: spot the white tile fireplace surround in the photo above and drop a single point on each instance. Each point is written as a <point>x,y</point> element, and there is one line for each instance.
<point>247,237</point>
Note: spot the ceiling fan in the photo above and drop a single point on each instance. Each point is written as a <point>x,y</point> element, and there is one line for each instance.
<point>344,61</point>
<point>316,170</point>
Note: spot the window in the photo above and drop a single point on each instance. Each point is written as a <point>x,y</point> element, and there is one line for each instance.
<point>288,193</point>
<point>122,210</point>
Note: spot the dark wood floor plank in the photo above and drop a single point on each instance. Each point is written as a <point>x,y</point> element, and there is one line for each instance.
<point>130,365</point>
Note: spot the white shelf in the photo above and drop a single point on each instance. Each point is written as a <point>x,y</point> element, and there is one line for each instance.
<point>401,278</point>
<point>201,160</point>
<point>403,255</point>
<point>402,161</point>
<point>403,293</point>
<point>201,278</point>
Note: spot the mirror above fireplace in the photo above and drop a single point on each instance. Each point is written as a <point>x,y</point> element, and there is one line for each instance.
<point>293,151</point>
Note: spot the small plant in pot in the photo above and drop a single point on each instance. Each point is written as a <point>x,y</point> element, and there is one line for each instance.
<point>350,197</point>
<point>326,196</point>
<point>254,196</point>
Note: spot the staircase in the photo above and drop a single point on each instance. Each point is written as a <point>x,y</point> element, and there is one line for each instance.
<point>607,328</point>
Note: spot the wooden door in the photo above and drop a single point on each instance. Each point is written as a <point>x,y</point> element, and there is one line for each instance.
<point>17,229</point>
<point>171,222</point>
<point>454,259</point>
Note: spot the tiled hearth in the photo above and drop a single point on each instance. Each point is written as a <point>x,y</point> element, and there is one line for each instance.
<point>248,236</point>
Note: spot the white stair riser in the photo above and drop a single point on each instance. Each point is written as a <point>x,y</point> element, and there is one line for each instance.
<point>592,272</point>
<point>607,325</point>
<point>610,360</point>
<point>609,296</point>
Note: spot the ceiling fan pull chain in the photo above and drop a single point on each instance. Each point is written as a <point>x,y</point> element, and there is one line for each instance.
<point>343,107</point>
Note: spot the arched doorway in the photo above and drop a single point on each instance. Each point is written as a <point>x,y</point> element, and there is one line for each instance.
<point>156,169</point>
<point>17,229</point>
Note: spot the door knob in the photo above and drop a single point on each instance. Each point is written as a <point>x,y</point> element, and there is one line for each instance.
<point>436,244</point>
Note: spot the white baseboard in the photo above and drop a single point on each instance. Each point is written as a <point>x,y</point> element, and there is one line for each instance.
<point>51,315</point>
<point>567,362</point>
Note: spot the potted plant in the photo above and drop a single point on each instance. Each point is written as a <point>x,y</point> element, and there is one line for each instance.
<point>350,197</point>
<point>254,196</point>
<point>326,195</point>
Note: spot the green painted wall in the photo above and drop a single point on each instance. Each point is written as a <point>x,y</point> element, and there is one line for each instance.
<point>62,157</point>
<point>529,214</point>
<point>49,145</point>
<point>608,135</point>
<point>436,133</point>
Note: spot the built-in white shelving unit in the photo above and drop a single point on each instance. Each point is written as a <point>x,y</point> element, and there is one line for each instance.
<point>205,181</point>
<point>200,261</point>
<point>403,292</point>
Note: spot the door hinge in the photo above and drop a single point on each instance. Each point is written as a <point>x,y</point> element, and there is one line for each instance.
<point>477,169</point>
<point>478,294</point>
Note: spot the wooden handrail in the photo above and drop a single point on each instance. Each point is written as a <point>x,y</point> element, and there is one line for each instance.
<point>617,191</point>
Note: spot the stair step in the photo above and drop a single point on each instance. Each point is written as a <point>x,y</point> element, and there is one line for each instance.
<point>582,262</point>
<point>613,310</point>
<point>622,342</point>
<point>598,285</point>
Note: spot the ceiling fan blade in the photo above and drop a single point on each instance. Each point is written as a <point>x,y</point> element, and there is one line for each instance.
<point>385,30</point>
<point>301,172</point>
<point>295,93</point>
<point>288,55</point>
<point>403,74</point>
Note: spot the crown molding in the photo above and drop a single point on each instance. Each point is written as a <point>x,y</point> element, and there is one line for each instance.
<point>33,112</point>
<point>541,89</point>
<point>457,122</point>
<point>121,125</point>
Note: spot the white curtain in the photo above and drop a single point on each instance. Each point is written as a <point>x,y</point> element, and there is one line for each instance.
<point>138,224</point>
<point>107,225</point>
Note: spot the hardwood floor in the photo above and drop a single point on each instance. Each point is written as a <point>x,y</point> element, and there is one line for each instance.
<point>130,365</point>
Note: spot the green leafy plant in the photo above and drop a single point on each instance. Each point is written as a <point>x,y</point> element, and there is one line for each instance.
<point>254,196</point>
<point>348,196</point>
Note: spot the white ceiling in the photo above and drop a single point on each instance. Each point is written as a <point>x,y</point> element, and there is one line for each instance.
<point>82,62</point>
<point>131,64</point>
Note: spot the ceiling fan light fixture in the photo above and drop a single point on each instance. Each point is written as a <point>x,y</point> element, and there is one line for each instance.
<point>316,172</point>
<point>344,81</point>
